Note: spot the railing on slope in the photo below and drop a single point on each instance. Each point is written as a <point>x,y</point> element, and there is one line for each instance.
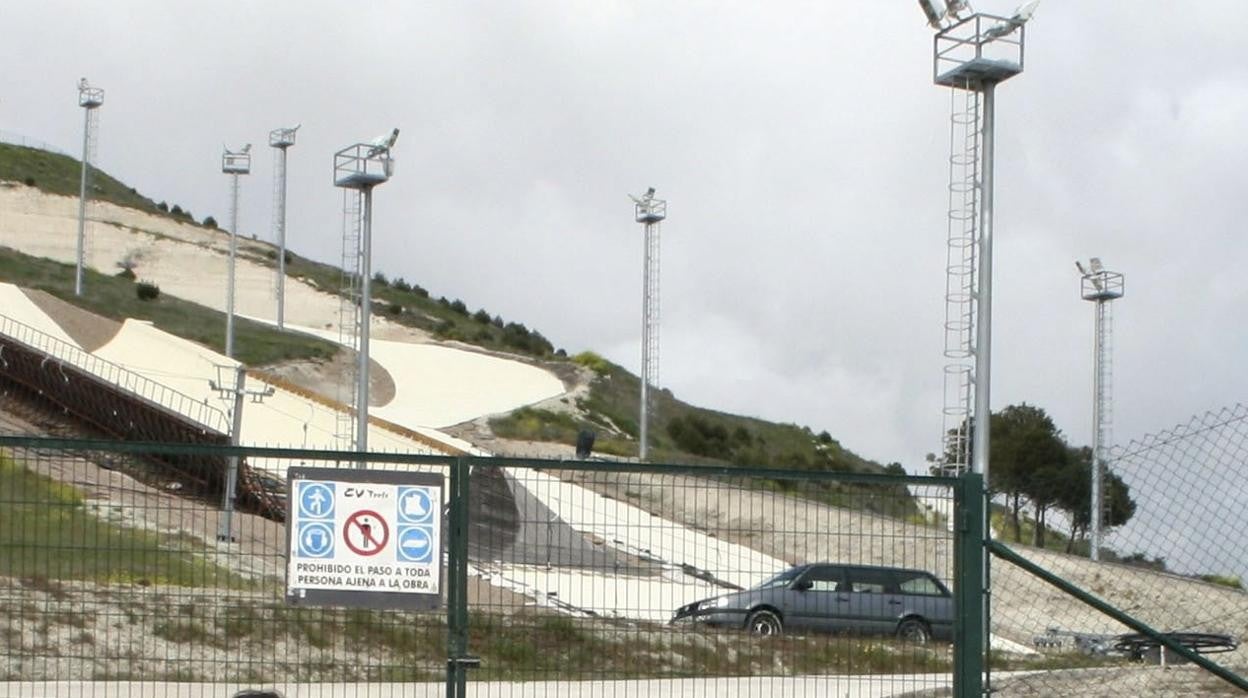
<point>116,375</point>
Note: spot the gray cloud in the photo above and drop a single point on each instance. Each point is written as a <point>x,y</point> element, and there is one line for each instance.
<point>803,150</point>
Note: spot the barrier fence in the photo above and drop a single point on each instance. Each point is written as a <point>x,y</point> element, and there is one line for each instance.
<point>568,578</point>
<point>560,578</point>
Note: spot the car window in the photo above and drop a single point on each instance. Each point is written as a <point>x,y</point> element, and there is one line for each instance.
<point>871,581</point>
<point>824,578</point>
<point>919,584</point>
<point>781,580</point>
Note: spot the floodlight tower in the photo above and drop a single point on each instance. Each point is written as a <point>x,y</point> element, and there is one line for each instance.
<point>357,169</point>
<point>650,212</point>
<point>972,54</point>
<point>1101,287</point>
<point>280,139</point>
<point>90,99</point>
<point>234,164</point>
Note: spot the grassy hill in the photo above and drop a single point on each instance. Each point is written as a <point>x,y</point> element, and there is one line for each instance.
<point>680,432</point>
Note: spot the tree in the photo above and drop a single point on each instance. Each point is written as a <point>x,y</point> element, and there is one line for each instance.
<point>1076,497</point>
<point>1027,457</point>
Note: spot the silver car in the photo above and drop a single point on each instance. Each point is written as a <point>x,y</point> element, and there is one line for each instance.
<point>825,597</point>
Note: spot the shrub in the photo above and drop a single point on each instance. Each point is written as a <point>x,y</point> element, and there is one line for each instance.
<point>593,362</point>
<point>210,222</point>
<point>481,316</point>
<point>380,279</point>
<point>163,207</point>
<point>30,181</point>
<point>394,309</point>
<point>176,210</point>
<point>147,291</point>
<point>459,307</point>
<point>400,285</point>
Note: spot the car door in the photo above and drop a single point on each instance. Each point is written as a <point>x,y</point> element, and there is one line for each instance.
<point>871,608</point>
<point>922,595</point>
<point>814,599</point>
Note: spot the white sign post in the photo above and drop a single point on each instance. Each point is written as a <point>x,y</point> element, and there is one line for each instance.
<point>363,538</point>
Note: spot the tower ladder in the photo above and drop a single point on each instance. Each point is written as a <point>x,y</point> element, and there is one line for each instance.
<point>965,141</point>
<point>349,314</point>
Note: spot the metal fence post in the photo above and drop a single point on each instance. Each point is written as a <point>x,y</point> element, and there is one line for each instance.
<point>457,660</point>
<point>969,648</point>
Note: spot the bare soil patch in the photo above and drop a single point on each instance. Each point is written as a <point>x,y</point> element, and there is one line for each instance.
<point>89,330</point>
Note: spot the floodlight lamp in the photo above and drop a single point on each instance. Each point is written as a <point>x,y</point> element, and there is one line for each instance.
<point>383,143</point>
<point>1079,266</point>
<point>1020,17</point>
<point>955,8</point>
<point>1096,265</point>
<point>934,14</point>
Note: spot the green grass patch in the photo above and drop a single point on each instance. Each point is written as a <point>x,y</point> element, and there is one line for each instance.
<point>255,344</point>
<point>48,533</point>
<point>60,174</point>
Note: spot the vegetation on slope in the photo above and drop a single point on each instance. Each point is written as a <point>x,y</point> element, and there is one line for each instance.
<point>60,174</point>
<point>409,304</point>
<point>117,298</point>
<point>47,532</point>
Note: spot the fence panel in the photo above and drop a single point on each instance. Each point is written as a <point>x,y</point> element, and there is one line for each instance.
<point>113,582</point>
<point>588,565</point>
<point>1168,582</point>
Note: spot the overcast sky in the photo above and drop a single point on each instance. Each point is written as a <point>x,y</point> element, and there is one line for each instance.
<point>803,150</point>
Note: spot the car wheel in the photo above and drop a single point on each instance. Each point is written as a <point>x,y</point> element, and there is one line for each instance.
<point>914,630</point>
<point>764,623</point>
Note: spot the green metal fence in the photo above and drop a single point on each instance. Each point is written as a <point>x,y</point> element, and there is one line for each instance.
<point>1163,611</point>
<point>560,578</point>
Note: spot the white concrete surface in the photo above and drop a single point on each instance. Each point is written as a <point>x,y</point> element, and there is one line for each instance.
<point>16,306</point>
<point>282,419</point>
<point>439,386</point>
<point>634,531</point>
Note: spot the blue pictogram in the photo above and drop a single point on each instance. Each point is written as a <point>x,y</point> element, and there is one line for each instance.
<point>316,500</point>
<point>416,505</point>
<point>316,539</point>
<point>415,544</point>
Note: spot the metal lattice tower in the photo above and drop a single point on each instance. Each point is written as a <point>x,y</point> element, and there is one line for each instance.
<point>280,140</point>
<point>1101,287</point>
<point>357,169</point>
<point>90,99</point>
<point>972,55</point>
<point>650,212</point>
<point>235,164</point>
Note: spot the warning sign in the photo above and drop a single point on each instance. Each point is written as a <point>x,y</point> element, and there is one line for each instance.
<point>364,538</point>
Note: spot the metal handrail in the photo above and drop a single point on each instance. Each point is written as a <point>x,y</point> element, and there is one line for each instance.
<point>115,374</point>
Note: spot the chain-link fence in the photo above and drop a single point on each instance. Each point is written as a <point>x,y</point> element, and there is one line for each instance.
<point>561,578</point>
<point>1164,610</point>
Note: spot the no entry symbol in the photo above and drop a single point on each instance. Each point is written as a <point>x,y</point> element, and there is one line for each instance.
<point>366,533</point>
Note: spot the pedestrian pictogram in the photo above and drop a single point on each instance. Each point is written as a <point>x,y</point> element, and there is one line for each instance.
<point>366,532</point>
<point>316,500</point>
<point>415,505</point>
<point>415,544</point>
<point>316,539</point>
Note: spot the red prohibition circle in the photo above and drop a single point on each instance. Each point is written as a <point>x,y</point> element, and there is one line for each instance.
<point>368,530</point>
